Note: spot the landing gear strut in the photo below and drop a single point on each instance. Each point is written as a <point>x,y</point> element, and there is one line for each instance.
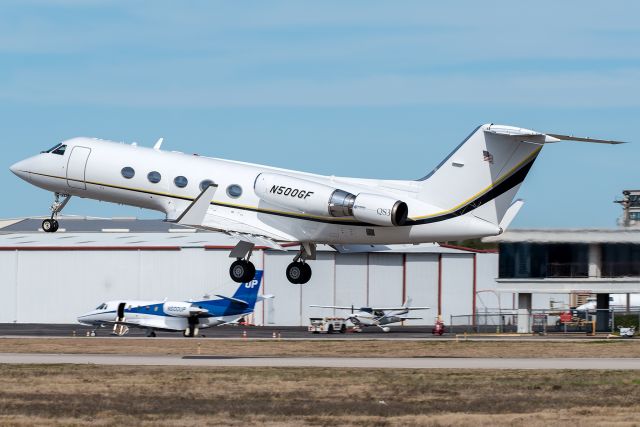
<point>242,270</point>
<point>50,225</point>
<point>299,272</point>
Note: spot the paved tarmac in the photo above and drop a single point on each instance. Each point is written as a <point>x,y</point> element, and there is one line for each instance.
<point>325,362</point>
<point>8,330</point>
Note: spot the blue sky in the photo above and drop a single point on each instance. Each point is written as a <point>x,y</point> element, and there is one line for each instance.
<point>357,88</point>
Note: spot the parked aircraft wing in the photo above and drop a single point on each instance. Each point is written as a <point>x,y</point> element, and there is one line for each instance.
<point>337,307</point>
<point>411,318</point>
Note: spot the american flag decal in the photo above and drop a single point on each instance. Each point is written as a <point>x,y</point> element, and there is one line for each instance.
<point>487,156</point>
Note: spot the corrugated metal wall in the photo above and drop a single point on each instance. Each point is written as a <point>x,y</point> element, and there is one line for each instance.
<point>56,286</point>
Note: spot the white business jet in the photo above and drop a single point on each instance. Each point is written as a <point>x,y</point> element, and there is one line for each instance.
<point>377,316</point>
<point>468,195</point>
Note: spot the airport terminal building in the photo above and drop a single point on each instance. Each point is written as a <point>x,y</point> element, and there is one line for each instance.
<point>54,277</point>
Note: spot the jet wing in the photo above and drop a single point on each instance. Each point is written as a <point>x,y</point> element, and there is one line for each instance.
<point>197,215</point>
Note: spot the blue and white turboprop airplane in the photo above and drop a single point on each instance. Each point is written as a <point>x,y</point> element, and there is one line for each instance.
<point>173,316</point>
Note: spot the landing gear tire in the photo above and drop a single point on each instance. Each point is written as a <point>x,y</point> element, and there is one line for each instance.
<point>298,273</point>
<point>242,271</point>
<point>50,225</point>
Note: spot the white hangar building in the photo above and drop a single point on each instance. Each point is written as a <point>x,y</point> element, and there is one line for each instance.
<point>54,277</point>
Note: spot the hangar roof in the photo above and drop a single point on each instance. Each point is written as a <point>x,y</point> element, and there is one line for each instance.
<point>572,235</point>
<point>133,234</point>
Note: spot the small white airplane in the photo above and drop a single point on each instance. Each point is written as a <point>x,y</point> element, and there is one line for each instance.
<point>377,316</point>
<point>618,301</point>
<point>186,316</point>
<point>468,195</point>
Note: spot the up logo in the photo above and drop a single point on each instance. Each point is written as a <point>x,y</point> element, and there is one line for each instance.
<point>252,284</point>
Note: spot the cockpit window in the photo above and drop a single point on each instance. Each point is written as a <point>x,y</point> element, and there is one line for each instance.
<point>53,148</point>
<point>101,306</point>
<point>60,150</point>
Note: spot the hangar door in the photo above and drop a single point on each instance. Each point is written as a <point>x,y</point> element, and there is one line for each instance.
<point>77,166</point>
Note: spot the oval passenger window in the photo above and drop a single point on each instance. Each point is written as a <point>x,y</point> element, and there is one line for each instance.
<point>154,177</point>
<point>128,172</point>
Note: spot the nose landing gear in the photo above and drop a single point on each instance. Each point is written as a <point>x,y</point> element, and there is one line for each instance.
<point>50,225</point>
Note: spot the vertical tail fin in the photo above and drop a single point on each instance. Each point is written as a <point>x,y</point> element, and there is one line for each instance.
<point>248,292</point>
<point>484,172</point>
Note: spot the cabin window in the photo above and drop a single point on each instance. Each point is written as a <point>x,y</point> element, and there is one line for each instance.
<point>154,177</point>
<point>180,181</point>
<point>60,150</point>
<point>128,172</point>
<point>234,191</point>
<point>205,184</point>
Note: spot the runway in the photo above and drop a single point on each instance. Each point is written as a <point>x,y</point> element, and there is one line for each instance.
<point>326,362</point>
<point>402,333</point>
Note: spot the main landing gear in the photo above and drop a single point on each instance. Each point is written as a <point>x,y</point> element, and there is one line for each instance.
<point>242,270</point>
<point>50,225</point>
<point>299,272</point>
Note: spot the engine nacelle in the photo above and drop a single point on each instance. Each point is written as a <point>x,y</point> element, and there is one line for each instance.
<point>322,200</point>
<point>177,308</point>
<point>296,194</point>
<point>380,210</point>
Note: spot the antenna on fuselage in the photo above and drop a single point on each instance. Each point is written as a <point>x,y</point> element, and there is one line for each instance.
<point>158,144</point>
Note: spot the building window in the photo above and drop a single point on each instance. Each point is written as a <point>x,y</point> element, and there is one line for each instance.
<point>180,181</point>
<point>539,261</point>
<point>620,260</point>
<point>128,172</point>
<point>234,191</point>
<point>205,184</point>
<point>154,177</point>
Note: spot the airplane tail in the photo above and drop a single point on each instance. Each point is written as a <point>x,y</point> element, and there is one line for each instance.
<point>407,303</point>
<point>483,174</point>
<point>248,292</point>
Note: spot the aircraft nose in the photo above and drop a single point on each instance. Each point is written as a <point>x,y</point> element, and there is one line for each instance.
<point>20,169</point>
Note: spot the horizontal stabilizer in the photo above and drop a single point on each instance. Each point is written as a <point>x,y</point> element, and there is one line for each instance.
<point>576,138</point>
<point>234,300</point>
<point>195,213</point>
<point>533,136</point>
<point>264,297</point>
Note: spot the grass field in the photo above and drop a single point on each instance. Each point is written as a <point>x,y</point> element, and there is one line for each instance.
<point>112,395</point>
<point>182,346</point>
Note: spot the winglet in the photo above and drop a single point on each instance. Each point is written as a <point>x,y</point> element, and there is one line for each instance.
<point>158,144</point>
<point>195,213</point>
<point>510,214</point>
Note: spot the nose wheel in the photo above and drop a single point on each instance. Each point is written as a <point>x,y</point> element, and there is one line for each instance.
<point>50,225</point>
